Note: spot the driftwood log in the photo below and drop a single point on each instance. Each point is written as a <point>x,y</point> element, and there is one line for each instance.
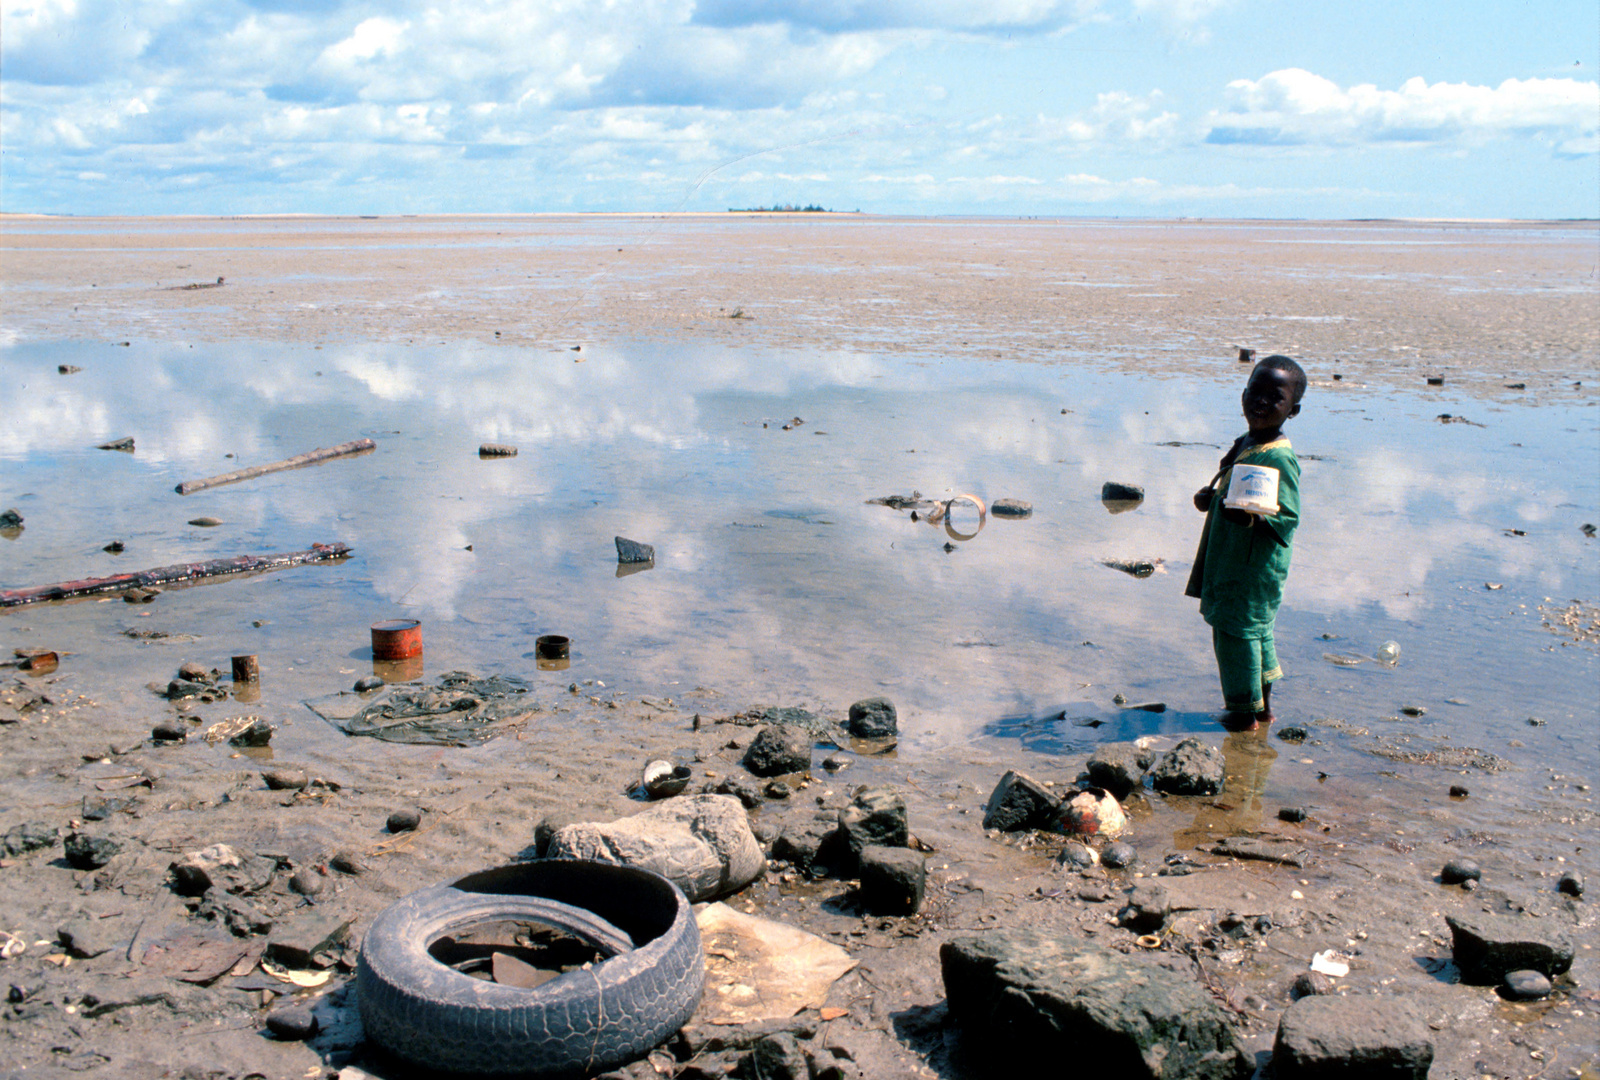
<point>173,575</point>
<point>310,457</point>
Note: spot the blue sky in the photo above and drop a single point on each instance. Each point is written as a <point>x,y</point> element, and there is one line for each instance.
<point>1215,108</point>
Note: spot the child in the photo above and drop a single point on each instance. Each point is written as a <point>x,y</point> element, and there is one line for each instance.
<point>1243,558</point>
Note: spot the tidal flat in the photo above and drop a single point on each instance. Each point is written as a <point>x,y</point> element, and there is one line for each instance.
<point>736,390</point>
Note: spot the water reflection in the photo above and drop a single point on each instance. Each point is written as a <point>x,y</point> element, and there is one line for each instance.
<point>1238,808</point>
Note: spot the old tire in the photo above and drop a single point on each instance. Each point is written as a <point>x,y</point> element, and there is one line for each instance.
<point>579,1023</point>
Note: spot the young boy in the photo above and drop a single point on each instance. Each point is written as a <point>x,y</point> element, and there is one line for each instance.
<point>1244,558</point>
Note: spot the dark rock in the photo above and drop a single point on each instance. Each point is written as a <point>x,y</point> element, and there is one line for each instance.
<point>874,718</point>
<point>293,1023</point>
<point>1118,768</point>
<point>404,821</point>
<point>740,788</point>
<point>1111,491</point>
<point>259,733</point>
<point>893,880</point>
<point>170,731</point>
<point>286,779</point>
<point>631,551</point>
<point>836,762</point>
<point>1077,856</point>
<point>1526,986</point>
<point>1119,855</point>
<point>99,808</point>
<point>178,689</point>
<point>1095,894</point>
<point>1458,792</point>
<point>240,916</point>
<point>1310,984</point>
<point>1375,1038</point>
<point>777,789</point>
<point>1571,883</point>
<point>1192,767</point>
<point>196,672</point>
<point>307,882</point>
<point>778,750</point>
<point>556,819</point>
<point>1035,999</point>
<point>1011,508</point>
<point>220,867</point>
<point>1487,946</point>
<point>1293,733</point>
<point>348,862</point>
<point>313,933</point>
<point>1292,814</point>
<point>1020,802</point>
<point>29,836</point>
<point>368,683</point>
<point>1147,908</point>
<point>806,846</point>
<point>90,852</point>
<point>876,816</point>
<point>10,519</point>
<point>1456,871</point>
<point>778,1057</point>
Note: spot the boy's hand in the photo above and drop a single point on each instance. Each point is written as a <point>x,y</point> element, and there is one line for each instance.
<point>1202,500</point>
<point>1239,517</point>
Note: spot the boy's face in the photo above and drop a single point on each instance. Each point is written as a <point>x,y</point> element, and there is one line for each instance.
<point>1268,400</point>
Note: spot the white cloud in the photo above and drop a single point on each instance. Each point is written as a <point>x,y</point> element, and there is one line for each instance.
<point>1295,106</point>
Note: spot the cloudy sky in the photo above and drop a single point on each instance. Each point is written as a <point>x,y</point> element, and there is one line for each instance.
<point>1276,108</point>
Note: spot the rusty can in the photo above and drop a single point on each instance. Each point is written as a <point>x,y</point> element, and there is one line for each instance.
<point>396,639</point>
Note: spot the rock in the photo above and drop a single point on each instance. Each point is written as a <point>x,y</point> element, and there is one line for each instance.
<point>222,867</point>
<point>29,836</point>
<point>806,846</point>
<point>1291,814</point>
<point>1458,792</point>
<point>10,519</point>
<point>124,443</point>
<point>1011,508</point>
<point>368,683</point>
<point>874,718</point>
<point>778,1057</point>
<point>737,786</point>
<point>836,762</point>
<point>195,672</point>
<point>702,842</point>
<point>1526,986</point>
<point>1119,855</point>
<point>404,821</point>
<point>1456,871</point>
<point>777,789</point>
<point>1077,856</point>
<point>1488,946</point>
<point>631,551</point>
<point>307,882</point>
<point>178,689</point>
<point>549,826</point>
<point>259,733</point>
<point>490,449</point>
<point>293,1023</point>
<point>1020,802</point>
<point>876,816</point>
<point>89,937</point>
<point>1118,768</point>
<point>1571,883</point>
<point>1036,999</point>
<point>1111,491</point>
<point>1320,1037</point>
<point>1310,984</point>
<point>777,750</point>
<point>893,880</point>
<point>90,852</point>
<point>316,930</point>
<point>1147,908</point>
<point>1293,733</point>
<point>1193,767</point>
<point>240,916</point>
<point>348,862</point>
<point>170,731</point>
<point>285,779</point>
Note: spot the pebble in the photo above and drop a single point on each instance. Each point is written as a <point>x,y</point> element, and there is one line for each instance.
<point>169,731</point>
<point>1076,855</point>
<point>348,862</point>
<point>307,883</point>
<point>1457,871</point>
<point>1458,792</point>
<point>1310,984</point>
<point>1119,855</point>
<point>1571,883</point>
<point>371,682</point>
<point>1526,985</point>
<point>1293,734</point>
<point>286,779</point>
<point>205,522</point>
<point>1292,813</point>
<point>295,1023</point>
<point>777,789</point>
<point>404,821</point>
<point>1414,710</point>
<point>834,763</point>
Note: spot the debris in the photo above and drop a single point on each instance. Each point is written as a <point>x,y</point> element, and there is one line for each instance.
<point>206,522</point>
<point>1140,568</point>
<point>1011,508</point>
<point>124,444</point>
<point>462,710</point>
<point>310,457</point>
<point>1330,963</point>
<point>631,551</point>
<point>178,573</point>
<point>759,969</point>
<point>490,449</point>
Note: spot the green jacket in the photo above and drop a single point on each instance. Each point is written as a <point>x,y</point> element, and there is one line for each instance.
<point>1239,570</point>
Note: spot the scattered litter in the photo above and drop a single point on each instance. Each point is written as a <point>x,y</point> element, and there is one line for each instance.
<point>463,709</point>
<point>303,979</point>
<point>1330,963</point>
<point>759,969</point>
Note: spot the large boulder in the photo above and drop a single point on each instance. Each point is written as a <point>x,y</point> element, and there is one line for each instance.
<point>1487,947</point>
<point>1037,1000</point>
<point>1193,767</point>
<point>1370,1038</point>
<point>701,842</point>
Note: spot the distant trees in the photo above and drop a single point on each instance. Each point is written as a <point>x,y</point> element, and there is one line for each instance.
<point>786,208</point>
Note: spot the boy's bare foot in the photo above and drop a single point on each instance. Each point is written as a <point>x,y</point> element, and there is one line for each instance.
<point>1266,718</point>
<point>1240,721</point>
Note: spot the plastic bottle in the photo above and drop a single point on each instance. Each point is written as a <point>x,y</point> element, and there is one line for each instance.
<point>1389,653</point>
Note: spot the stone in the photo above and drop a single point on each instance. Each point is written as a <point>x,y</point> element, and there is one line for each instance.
<point>348,862</point>
<point>875,816</point>
<point>1077,856</point>
<point>293,1023</point>
<point>259,733</point>
<point>1193,767</point>
<point>893,880</point>
<point>548,827</point>
<point>1111,491</point>
<point>777,789</point>
<point>10,519</point>
<point>368,683</point>
<point>1526,986</point>
<point>29,836</point>
<point>307,882</point>
<point>403,820</point>
<point>778,1057</point>
<point>1571,883</point>
<point>1310,984</point>
<point>1293,733</point>
<point>86,852</point>
<point>183,688</point>
<point>806,846</point>
<point>221,867</point>
<point>737,786</point>
<point>701,842</point>
<point>874,718</point>
<point>170,731</point>
<point>631,551</point>
<point>1119,856</point>
<point>1458,791</point>
<point>1292,814</point>
<point>836,762</point>
<point>1117,767</point>
<point>777,750</point>
<point>1020,802</point>
<point>1011,508</point>
<point>285,779</point>
<point>312,932</point>
<point>1036,999</point>
<point>1373,1038</point>
<point>89,937</point>
<point>240,916</point>
<point>1456,871</point>
<point>1147,908</point>
<point>1486,947</point>
<point>195,672</point>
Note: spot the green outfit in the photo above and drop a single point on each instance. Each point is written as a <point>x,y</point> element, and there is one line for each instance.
<point>1239,573</point>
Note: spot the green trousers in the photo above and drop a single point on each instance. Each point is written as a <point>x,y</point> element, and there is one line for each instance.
<point>1246,666</point>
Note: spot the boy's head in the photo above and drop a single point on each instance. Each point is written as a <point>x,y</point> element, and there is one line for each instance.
<point>1272,395</point>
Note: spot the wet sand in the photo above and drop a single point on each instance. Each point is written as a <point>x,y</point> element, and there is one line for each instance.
<point>1382,303</point>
